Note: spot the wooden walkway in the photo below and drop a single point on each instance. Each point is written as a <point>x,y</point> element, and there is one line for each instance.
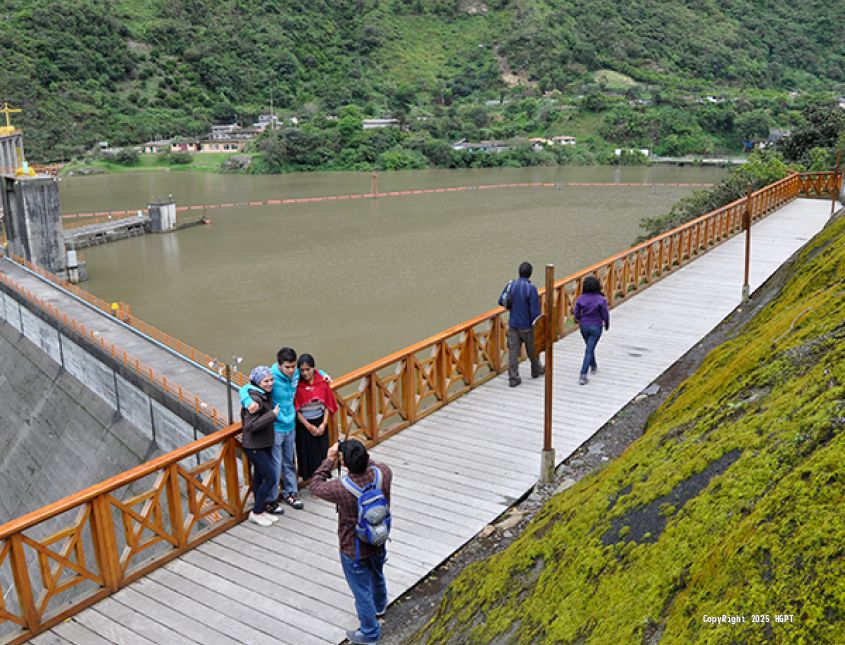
<point>454,472</point>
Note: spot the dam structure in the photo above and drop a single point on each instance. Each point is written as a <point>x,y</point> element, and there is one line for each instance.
<point>173,562</point>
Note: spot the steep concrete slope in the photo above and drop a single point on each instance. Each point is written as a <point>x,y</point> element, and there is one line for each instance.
<point>56,436</point>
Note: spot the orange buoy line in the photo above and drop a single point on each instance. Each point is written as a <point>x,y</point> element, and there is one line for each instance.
<point>395,193</point>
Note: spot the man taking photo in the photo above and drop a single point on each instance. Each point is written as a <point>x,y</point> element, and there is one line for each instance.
<point>362,548</point>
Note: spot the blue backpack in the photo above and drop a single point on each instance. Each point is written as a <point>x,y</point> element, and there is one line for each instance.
<point>506,297</point>
<point>373,525</point>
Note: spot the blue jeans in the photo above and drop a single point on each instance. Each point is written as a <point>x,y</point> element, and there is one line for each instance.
<point>284,454</point>
<point>366,580</point>
<point>591,335</point>
<point>264,476</point>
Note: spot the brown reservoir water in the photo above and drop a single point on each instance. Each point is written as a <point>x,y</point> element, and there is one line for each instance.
<point>353,281</point>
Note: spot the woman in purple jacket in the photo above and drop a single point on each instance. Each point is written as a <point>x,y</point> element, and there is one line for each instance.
<point>591,314</point>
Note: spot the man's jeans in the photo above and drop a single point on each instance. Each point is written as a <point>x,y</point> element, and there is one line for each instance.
<point>284,453</point>
<point>591,335</point>
<point>366,580</point>
<point>516,337</point>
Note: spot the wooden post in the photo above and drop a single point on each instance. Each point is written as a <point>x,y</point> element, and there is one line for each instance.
<point>547,458</point>
<point>409,388</point>
<point>174,504</point>
<point>374,184</point>
<point>834,191</point>
<point>105,543</point>
<point>372,406</point>
<point>496,343</point>
<point>20,575</point>
<point>746,224</point>
<point>230,470</point>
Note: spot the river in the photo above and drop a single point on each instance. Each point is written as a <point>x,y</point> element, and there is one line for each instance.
<point>353,281</point>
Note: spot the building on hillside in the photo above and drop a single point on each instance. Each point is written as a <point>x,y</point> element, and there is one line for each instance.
<point>370,124</point>
<point>493,147</point>
<point>185,146</point>
<point>224,131</point>
<point>776,134</point>
<point>160,145</point>
<point>266,121</point>
<point>539,143</point>
<point>646,152</point>
<point>232,144</point>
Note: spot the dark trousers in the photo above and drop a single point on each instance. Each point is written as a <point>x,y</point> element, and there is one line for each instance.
<point>591,335</point>
<point>516,338</point>
<point>264,476</point>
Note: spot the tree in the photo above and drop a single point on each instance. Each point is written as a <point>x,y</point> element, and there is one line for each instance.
<point>127,157</point>
<point>401,159</point>
<point>824,128</point>
<point>350,124</point>
<point>753,125</point>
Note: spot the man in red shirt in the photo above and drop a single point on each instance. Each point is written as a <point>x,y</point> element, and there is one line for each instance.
<point>364,570</point>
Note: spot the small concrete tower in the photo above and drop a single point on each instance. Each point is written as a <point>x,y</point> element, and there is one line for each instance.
<point>33,221</point>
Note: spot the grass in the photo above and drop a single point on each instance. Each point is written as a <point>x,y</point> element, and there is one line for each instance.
<point>428,48</point>
<point>200,162</point>
<point>614,81</point>
<point>764,536</point>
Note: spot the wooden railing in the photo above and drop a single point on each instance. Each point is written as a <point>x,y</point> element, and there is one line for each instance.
<point>108,535</point>
<point>119,355</point>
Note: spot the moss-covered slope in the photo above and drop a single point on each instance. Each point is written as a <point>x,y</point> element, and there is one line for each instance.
<point>730,504</point>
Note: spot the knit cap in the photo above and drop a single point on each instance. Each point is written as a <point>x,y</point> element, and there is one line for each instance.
<point>259,373</point>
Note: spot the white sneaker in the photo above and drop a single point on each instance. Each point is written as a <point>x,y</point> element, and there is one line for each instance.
<point>261,519</point>
<point>273,518</point>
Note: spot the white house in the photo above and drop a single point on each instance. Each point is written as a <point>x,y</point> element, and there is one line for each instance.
<point>643,151</point>
<point>224,131</point>
<point>370,124</point>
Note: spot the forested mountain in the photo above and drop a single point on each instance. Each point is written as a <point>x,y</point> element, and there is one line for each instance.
<point>128,70</point>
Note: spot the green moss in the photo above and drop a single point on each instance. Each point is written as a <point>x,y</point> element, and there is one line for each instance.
<point>763,537</point>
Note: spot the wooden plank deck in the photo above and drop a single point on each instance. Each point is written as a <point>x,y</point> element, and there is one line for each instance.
<point>455,471</point>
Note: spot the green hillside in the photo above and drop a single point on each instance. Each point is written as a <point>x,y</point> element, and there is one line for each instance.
<point>127,71</point>
<point>730,504</point>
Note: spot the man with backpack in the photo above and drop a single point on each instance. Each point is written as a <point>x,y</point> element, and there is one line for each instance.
<point>362,498</point>
<point>521,299</point>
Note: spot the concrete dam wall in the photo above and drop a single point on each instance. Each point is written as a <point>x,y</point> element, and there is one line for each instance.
<point>56,435</point>
<point>68,418</point>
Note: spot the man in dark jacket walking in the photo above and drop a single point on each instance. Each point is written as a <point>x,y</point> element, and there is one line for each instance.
<point>525,310</point>
<point>363,563</point>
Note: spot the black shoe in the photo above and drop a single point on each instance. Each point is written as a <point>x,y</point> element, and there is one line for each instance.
<point>292,500</point>
<point>539,373</point>
<point>274,508</point>
<point>515,383</point>
<point>380,614</point>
